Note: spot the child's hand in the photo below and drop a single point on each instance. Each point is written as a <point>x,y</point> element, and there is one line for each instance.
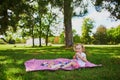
<point>74,57</point>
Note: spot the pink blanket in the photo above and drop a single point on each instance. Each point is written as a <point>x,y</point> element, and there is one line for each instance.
<point>36,64</point>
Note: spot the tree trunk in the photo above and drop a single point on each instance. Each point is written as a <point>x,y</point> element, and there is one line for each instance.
<point>67,23</point>
<point>32,36</point>
<point>40,34</point>
<point>40,40</point>
<point>4,22</point>
<point>46,40</point>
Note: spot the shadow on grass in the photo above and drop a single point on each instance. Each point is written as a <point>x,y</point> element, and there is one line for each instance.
<point>12,63</point>
<point>12,60</point>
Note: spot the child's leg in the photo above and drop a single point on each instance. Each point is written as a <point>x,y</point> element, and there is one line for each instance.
<point>51,64</point>
<point>56,66</point>
<point>69,64</point>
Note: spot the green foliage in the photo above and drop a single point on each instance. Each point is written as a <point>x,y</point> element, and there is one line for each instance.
<point>108,4</point>
<point>82,5</point>
<point>10,13</point>
<point>113,35</point>
<point>2,41</point>
<point>34,18</point>
<point>62,37</point>
<point>86,30</point>
<point>100,37</point>
<point>12,63</point>
<point>107,36</point>
<point>51,39</point>
<point>76,38</point>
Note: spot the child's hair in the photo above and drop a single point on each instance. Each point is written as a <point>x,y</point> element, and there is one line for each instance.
<point>83,48</point>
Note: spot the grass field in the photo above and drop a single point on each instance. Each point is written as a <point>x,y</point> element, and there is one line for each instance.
<point>12,63</point>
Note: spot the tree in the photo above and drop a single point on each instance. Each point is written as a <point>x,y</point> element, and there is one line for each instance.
<point>67,23</point>
<point>68,6</point>
<point>41,10</point>
<point>110,36</point>
<point>113,6</point>
<point>113,35</point>
<point>49,19</point>
<point>10,13</point>
<point>117,34</point>
<point>62,37</point>
<point>100,36</point>
<point>87,27</point>
<point>76,37</point>
<point>31,19</point>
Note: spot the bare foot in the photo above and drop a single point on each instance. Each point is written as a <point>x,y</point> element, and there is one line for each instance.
<point>99,64</point>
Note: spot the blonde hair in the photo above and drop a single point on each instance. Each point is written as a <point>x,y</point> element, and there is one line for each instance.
<point>78,44</point>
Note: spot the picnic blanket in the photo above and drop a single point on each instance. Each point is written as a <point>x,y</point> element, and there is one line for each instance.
<point>37,64</point>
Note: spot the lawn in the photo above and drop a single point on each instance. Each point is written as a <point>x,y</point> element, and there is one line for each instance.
<point>12,63</point>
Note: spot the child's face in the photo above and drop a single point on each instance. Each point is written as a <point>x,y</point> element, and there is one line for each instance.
<point>78,48</point>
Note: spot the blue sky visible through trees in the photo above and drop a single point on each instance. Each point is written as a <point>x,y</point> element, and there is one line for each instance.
<point>100,18</point>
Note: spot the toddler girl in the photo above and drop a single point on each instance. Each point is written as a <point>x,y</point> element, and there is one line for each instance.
<point>80,57</point>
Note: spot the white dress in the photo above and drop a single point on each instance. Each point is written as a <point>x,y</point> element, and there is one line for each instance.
<point>81,62</point>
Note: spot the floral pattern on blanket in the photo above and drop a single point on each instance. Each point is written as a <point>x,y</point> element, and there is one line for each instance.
<point>39,64</point>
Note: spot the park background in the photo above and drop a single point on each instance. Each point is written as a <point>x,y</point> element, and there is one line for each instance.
<point>48,29</point>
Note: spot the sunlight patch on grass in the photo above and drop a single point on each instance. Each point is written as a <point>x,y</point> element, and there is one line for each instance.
<point>12,63</point>
<point>102,45</point>
<point>3,57</point>
<point>20,61</point>
<point>14,74</point>
<point>13,70</point>
<point>115,56</point>
<point>5,60</point>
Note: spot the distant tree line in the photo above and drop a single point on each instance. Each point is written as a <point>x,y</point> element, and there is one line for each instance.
<point>35,17</point>
<point>101,36</point>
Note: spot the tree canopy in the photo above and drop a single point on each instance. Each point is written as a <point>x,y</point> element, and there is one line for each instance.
<point>113,6</point>
<point>23,12</point>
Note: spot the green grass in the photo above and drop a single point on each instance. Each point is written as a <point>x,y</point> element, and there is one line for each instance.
<point>12,63</point>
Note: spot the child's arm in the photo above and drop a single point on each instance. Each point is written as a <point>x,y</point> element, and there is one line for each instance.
<point>82,58</point>
<point>74,57</point>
